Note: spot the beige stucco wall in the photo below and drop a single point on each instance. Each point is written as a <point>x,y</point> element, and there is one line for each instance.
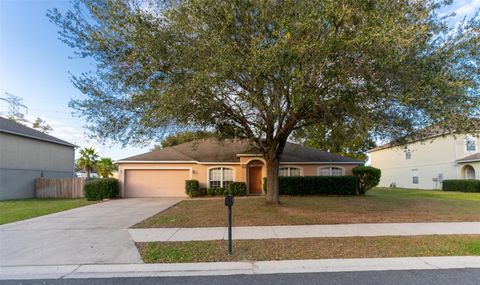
<point>199,172</point>
<point>430,157</point>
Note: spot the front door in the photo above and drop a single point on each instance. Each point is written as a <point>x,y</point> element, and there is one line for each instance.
<point>255,180</point>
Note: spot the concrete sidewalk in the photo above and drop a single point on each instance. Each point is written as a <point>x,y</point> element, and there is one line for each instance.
<point>308,231</point>
<point>234,268</point>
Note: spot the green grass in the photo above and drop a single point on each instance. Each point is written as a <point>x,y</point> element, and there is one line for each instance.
<point>311,248</point>
<point>380,205</point>
<point>16,210</point>
<point>403,193</point>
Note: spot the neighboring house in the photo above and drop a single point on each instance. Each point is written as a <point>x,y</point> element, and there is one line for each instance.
<point>215,164</point>
<point>26,154</point>
<point>425,162</point>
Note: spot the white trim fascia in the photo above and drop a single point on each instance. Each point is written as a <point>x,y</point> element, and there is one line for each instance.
<point>321,162</point>
<point>154,161</point>
<point>222,163</point>
<point>467,161</point>
<point>171,162</point>
<point>249,154</point>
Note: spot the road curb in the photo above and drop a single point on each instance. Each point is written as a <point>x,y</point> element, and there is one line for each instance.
<point>235,268</point>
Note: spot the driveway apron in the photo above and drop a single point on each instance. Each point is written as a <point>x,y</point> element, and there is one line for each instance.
<point>86,235</point>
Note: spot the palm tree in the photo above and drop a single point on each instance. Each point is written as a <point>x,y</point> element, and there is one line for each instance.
<point>105,167</point>
<point>88,159</point>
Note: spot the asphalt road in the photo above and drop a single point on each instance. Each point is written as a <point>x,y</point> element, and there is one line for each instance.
<point>424,277</point>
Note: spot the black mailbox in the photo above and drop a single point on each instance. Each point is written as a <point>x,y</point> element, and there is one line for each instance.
<point>229,200</point>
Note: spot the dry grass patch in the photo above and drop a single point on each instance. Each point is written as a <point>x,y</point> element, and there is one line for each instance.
<point>378,206</point>
<point>310,248</point>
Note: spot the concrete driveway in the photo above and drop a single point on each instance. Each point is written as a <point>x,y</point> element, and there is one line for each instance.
<point>87,235</point>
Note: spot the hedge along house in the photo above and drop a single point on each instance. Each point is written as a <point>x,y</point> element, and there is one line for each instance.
<point>213,163</point>
<point>26,154</point>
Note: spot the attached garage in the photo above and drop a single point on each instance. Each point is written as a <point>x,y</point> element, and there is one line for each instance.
<point>155,182</point>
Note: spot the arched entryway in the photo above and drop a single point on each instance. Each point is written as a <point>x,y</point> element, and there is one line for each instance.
<point>468,172</point>
<point>255,177</point>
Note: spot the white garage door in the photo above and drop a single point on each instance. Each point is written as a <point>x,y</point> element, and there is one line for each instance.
<point>155,183</point>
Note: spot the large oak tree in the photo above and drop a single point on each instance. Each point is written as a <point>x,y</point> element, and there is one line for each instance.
<point>262,69</point>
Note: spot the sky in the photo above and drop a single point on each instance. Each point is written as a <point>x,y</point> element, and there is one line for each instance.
<point>35,65</point>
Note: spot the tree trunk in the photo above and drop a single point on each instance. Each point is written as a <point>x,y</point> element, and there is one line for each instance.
<point>88,172</point>
<point>273,196</point>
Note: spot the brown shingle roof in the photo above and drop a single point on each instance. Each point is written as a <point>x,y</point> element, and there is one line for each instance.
<point>213,150</point>
<point>473,157</point>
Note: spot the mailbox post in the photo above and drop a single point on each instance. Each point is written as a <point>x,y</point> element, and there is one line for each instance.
<point>229,204</point>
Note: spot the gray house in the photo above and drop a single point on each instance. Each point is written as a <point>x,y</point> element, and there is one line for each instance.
<point>26,154</point>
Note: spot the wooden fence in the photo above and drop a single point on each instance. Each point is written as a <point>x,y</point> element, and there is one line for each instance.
<point>59,187</point>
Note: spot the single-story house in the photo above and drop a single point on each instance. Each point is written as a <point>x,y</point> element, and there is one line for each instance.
<point>26,154</point>
<point>214,163</point>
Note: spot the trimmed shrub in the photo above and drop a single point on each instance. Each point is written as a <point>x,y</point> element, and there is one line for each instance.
<point>461,185</point>
<point>203,191</point>
<point>315,185</point>
<point>237,189</point>
<point>368,177</point>
<point>219,191</point>
<point>101,188</point>
<point>211,191</point>
<point>192,188</point>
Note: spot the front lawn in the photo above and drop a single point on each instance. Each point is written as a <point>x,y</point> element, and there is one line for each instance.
<point>381,205</point>
<point>310,248</point>
<point>16,210</point>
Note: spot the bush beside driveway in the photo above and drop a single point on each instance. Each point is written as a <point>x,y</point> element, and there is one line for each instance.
<point>381,205</point>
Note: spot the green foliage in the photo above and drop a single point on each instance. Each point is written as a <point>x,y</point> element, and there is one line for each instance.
<point>192,188</point>
<point>461,185</point>
<point>101,188</point>
<point>348,138</point>
<point>88,159</point>
<point>105,167</point>
<point>220,191</point>
<point>183,137</point>
<point>211,191</point>
<point>315,185</point>
<point>368,177</point>
<point>318,185</point>
<point>237,189</point>
<point>262,69</point>
<point>42,125</point>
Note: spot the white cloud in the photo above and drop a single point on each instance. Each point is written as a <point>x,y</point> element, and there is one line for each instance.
<point>467,8</point>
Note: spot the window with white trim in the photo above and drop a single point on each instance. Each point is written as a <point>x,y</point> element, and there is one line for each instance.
<point>330,171</point>
<point>220,177</point>
<point>289,171</point>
